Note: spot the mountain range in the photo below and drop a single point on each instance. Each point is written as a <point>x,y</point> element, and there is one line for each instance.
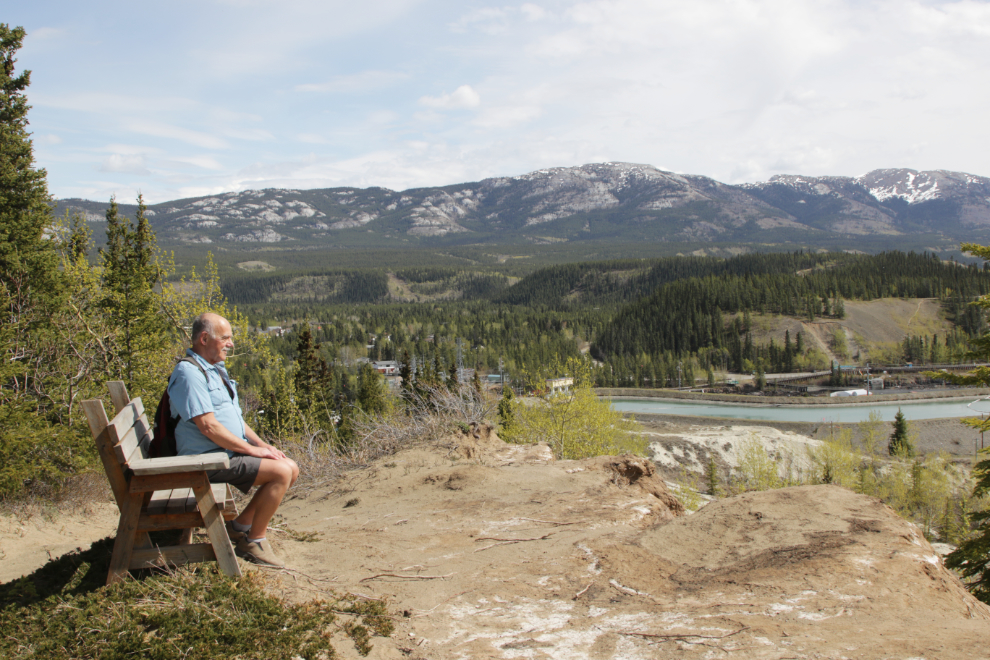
<point>597,202</point>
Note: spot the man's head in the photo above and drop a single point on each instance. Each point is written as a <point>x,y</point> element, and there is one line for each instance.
<point>212,337</point>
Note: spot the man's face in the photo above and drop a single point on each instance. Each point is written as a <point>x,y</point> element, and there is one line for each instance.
<point>217,348</point>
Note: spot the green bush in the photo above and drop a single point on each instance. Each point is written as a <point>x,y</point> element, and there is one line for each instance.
<point>35,456</point>
<point>62,611</point>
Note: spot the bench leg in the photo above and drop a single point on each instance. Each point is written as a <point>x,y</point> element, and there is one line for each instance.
<point>127,534</point>
<point>186,537</point>
<point>215,528</point>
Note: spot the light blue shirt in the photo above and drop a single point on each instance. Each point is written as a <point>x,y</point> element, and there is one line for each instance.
<point>191,395</point>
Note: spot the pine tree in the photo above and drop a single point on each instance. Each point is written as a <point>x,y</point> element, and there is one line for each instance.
<point>506,414</point>
<point>900,444</point>
<point>371,391</point>
<point>712,478</point>
<point>452,383</point>
<point>130,274</point>
<point>405,373</point>
<point>315,382</point>
<point>28,260</point>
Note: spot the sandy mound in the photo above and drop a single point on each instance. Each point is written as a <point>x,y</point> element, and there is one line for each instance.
<point>508,554</point>
<point>487,550</point>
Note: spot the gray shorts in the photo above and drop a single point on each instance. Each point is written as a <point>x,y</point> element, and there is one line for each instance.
<point>241,474</point>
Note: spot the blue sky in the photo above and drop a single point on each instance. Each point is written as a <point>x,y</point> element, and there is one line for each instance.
<point>179,99</point>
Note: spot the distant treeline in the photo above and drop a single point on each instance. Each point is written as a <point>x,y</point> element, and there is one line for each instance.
<point>326,287</point>
<point>686,316</point>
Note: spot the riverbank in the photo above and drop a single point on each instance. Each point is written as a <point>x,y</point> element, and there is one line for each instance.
<point>958,394</point>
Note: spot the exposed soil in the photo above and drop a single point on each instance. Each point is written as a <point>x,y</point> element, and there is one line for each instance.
<point>487,550</point>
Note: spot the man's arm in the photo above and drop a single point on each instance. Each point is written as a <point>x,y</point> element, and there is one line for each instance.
<point>209,426</point>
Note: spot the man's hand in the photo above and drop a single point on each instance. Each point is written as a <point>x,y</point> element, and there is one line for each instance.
<point>255,439</point>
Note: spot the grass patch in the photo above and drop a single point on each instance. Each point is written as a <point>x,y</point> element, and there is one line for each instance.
<point>63,610</point>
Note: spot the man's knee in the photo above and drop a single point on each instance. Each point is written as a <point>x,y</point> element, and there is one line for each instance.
<point>278,471</point>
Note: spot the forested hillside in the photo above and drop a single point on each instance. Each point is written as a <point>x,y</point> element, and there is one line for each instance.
<point>699,314</point>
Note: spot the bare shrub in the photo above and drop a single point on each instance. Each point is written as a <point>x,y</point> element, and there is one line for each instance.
<point>426,416</point>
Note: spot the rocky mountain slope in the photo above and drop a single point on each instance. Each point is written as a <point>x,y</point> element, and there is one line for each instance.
<point>604,201</point>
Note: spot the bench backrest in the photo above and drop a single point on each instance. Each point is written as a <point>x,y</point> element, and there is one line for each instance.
<point>124,438</point>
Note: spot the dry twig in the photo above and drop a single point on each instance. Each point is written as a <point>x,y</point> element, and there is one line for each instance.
<point>682,637</point>
<point>407,577</point>
<point>507,541</point>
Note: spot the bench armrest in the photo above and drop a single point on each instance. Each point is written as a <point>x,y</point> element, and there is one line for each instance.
<point>176,464</point>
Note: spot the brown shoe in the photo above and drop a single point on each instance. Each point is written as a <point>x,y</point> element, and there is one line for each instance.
<point>259,552</point>
<point>234,536</point>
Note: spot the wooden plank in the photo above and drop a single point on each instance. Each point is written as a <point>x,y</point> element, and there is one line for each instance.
<point>221,495</point>
<point>127,531</point>
<point>126,418</point>
<point>139,449</point>
<point>172,464</point>
<point>151,522</point>
<point>177,503</point>
<point>118,395</point>
<point>158,502</point>
<point>216,529</point>
<point>187,533</point>
<point>173,554</point>
<point>96,415</point>
<point>136,438</point>
<point>164,481</point>
<point>124,449</point>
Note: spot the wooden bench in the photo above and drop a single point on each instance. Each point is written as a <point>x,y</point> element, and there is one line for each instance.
<point>158,494</point>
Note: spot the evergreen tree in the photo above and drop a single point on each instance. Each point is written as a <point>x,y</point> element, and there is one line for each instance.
<point>900,444</point>
<point>711,477</point>
<point>28,260</point>
<point>315,382</point>
<point>405,372</point>
<point>371,391</point>
<point>506,415</point>
<point>452,384</point>
<point>130,274</point>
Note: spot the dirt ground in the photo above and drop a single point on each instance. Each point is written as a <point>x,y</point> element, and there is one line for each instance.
<point>487,550</point>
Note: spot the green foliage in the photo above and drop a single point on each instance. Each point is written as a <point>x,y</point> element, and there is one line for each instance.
<point>687,315</point>
<point>834,461</point>
<point>506,415</point>
<point>28,262</point>
<point>758,468</point>
<point>900,442</point>
<point>63,611</point>
<point>575,424</point>
<point>712,478</point>
<point>372,394</point>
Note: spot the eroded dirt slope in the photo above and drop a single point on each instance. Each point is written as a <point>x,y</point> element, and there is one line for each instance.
<point>487,550</point>
<point>607,567</point>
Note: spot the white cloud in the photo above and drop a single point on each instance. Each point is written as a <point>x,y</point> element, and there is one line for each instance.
<point>123,164</point>
<point>533,12</point>
<point>201,162</point>
<point>462,97</point>
<point>170,132</point>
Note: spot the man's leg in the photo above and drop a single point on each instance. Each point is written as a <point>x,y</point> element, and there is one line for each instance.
<point>274,479</point>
